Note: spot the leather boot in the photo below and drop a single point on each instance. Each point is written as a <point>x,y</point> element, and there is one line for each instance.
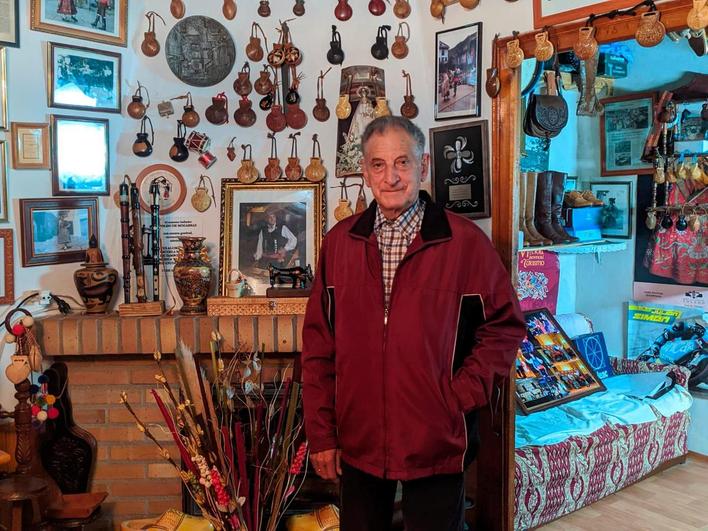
<point>543,219</point>
<point>529,240</point>
<point>529,208</point>
<point>558,187</point>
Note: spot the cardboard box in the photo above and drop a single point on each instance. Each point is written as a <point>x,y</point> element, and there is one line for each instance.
<point>586,235</point>
<point>585,218</point>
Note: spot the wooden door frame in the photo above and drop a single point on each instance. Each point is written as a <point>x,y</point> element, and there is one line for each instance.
<point>505,211</point>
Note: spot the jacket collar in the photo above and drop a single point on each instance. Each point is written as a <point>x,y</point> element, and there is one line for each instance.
<point>435,225</point>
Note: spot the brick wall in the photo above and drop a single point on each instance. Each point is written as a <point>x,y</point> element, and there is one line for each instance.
<point>139,482</point>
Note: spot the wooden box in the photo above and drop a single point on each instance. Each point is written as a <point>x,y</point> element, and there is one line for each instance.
<point>218,306</point>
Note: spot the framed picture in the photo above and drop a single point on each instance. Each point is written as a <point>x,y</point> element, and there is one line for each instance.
<point>80,164</point>
<point>624,127</point>
<point>617,212</point>
<point>7,259</point>
<point>571,183</point>
<point>458,71</point>
<point>10,29</point>
<point>82,78</point>
<point>57,230</point>
<point>554,12</point>
<point>3,88</point>
<point>3,182</point>
<point>549,371</point>
<point>459,160</point>
<point>103,21</point>
<point>30,146</point>
<point>172,183</point>
<point>279,223</point>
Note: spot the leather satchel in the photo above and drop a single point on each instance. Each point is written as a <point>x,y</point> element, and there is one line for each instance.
<point>546,116</point>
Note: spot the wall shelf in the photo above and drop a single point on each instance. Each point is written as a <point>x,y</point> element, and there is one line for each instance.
<point>593,247</point>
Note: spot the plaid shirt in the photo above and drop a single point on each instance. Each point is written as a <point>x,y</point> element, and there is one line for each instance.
<point>394,237</point>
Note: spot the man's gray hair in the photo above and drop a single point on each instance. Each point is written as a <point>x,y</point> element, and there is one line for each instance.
<point>384,123</point>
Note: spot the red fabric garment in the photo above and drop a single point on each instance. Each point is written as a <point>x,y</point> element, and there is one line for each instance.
<point>398,398</point>
<point>680,255</point>
<point>66,7</point>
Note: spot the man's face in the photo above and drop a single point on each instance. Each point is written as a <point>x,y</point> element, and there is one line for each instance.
<point>270,219</point>
<point>393,170</point>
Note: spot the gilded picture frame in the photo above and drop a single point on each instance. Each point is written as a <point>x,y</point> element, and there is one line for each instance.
<point>11,13</point>
<point>30,146</point>
<point>45,17</point>
<point>297,211</point>
<point>3,182</point>
<point>7,278</point>
<point>555,12</point>
<point>3,89</point>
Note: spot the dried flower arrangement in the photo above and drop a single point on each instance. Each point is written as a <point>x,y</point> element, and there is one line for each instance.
<point>244,455</point>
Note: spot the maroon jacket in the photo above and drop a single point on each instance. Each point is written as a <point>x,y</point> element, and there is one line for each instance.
<point>399,398</point>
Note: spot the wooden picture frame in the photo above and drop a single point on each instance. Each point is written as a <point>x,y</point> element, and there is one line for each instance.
<point>12,15</point>
<point>624,127</point>
<point>617,214</point>
<point>3,182</point>
<point>177,194</point>
<point>549,370</point>
<point>7,288</point>
<point>83,78</point>
<point>44,17</point>
<point>30,146</point>
<point>458,72</point>
<point>57,230</point>
<point>555,12</point>
<point>245,210</point>
<point>3,89</point>
<point>74,138</point>
<point>459,168</point>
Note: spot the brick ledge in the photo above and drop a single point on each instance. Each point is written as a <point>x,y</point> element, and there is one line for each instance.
<point>110,334</point>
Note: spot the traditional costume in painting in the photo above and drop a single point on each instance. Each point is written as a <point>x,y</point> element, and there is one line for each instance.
<point>66,7</point>
<point>681,255</point>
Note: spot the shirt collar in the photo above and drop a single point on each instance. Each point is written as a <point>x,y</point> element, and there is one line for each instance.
<point>406,222</point>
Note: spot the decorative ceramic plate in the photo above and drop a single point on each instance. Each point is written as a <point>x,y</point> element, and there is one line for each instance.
<point>171,186</point>
<point>200,51</point>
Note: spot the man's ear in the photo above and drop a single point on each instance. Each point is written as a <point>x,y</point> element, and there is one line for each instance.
<point>424,166</point>
<point>364,173</point>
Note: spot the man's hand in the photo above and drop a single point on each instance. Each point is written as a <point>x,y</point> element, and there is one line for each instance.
<point>327,463</point>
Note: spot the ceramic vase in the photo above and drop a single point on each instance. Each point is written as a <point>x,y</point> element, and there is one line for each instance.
<point>95,280</point>
<point>192,274</point>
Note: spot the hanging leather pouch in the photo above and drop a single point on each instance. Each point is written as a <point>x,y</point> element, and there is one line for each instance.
<point>546,115</point>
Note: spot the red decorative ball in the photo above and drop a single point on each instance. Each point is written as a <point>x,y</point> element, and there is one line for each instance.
<point>52,413</point>
<point>36,409</point>
<point>18,329</point>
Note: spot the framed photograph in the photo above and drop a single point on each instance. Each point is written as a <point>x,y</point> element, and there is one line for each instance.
<point>3,182</point>
<point>458,71</point>
<point>103,21</point>
<point>617,211</point>
<point>30,146</point>
<point>172,184</point>
<point>3,88</point>
<point>459,168</point>
<point>549,371</point>
<point>10,27</point>
<point>82,78</point>
<point>554,12</point>
<point>7,259</point>
<point>80,163</point>
<point>624,127</point>
<point>279,223</point>
<point>57,230</point>
<point>571,183</point>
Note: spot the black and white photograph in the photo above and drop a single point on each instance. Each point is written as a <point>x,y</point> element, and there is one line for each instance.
<point>80,159</point>
<point>459,168</point>
<point>82,78</point>
<point>57,231</point>
<point>278,224</point>
<point>458,72</point>
<point>617,209</point>
<point>200,51</point>
<point>103,21</point>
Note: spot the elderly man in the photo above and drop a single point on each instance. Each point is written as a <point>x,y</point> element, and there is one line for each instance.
<point>412,317</point>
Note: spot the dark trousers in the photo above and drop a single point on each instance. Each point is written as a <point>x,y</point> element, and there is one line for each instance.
<point>434,503</point>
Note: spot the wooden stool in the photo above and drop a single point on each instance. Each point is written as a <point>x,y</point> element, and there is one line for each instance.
<point>28,498</point>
